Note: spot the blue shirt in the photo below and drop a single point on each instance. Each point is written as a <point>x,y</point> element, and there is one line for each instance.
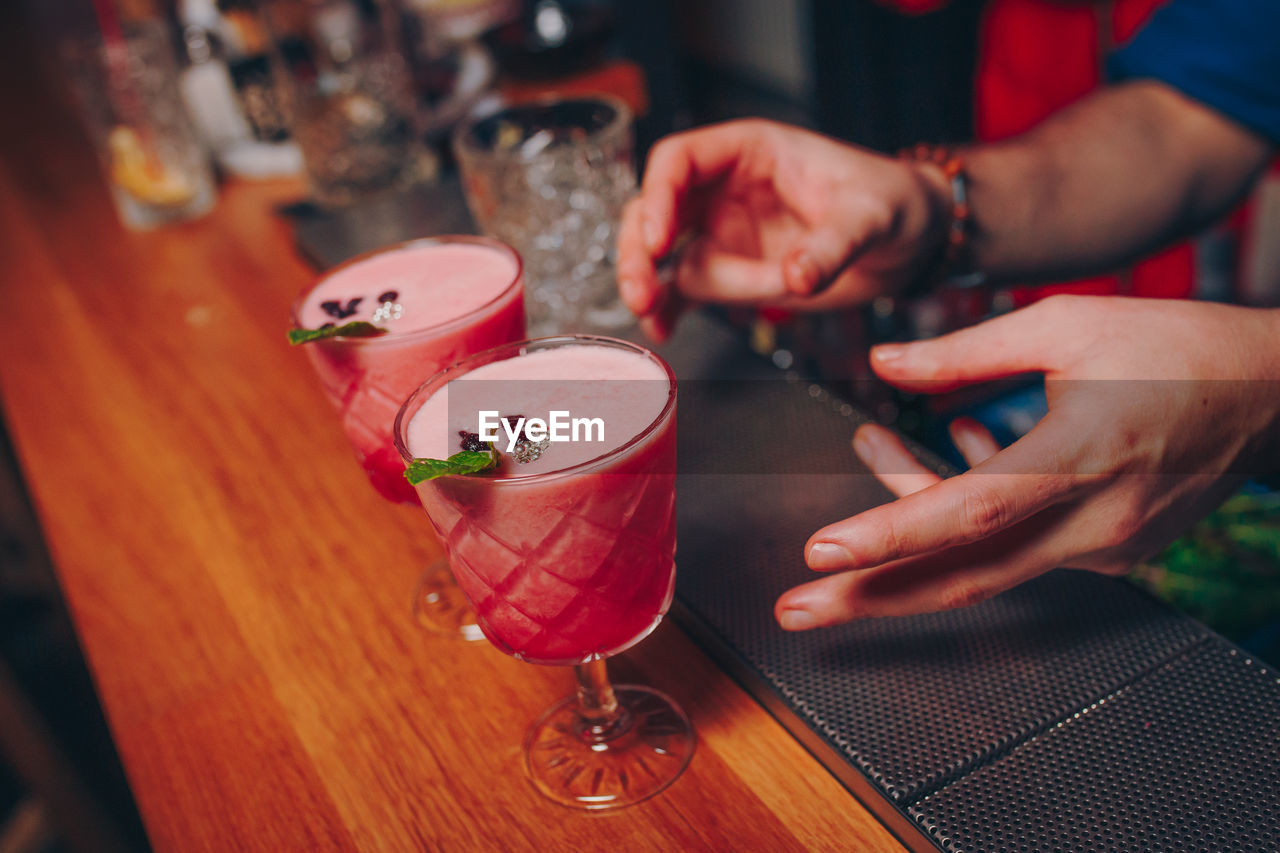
<point>1223,53</point>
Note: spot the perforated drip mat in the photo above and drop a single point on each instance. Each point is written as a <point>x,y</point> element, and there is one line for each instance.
<point>1182,759</point>
<point>1072,713</point>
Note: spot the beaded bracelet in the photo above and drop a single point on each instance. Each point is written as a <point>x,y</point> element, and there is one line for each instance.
<point>956,268</point>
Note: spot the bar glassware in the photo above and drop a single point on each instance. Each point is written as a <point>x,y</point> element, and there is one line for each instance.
<point>550,178</point>
<point>366,379</point>
<point>570,567</point>
<point>349,95</point>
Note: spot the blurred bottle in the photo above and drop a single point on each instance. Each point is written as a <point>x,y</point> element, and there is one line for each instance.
<point>206,83</point>
<point>125,79</point>
<point>451,70</point>
<point>462,20</point>
<point>230,91</point>
<point>553,39</point>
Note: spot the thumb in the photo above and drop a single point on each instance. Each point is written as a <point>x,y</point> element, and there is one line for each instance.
<point>1033,339</point>
<point>817,259</point>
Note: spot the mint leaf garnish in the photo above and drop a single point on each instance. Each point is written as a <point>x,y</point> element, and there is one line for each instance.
<point>354,329</point>
<point>466,462</point>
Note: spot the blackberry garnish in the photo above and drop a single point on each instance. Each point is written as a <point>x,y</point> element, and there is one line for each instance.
<point>471,441</point>
<point>335,309</point>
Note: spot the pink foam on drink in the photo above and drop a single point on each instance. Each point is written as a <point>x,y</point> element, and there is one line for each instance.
<point>564,558</point>
<point>623,389</point>
<point>434,283</point>
<point>455,298</point>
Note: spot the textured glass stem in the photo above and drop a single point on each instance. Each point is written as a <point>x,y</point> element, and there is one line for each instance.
<point>601,718</point>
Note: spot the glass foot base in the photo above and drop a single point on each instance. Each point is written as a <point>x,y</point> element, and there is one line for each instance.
<point>440,607</point>
<point>650,747</point>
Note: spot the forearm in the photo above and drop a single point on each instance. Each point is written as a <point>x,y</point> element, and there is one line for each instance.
<point>1114,177</point>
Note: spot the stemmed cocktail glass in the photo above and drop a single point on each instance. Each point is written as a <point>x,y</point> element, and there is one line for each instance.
<point>440,299</point>
<point>568,559</point>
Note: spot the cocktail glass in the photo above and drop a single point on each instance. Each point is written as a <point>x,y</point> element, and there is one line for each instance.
<point>570,567</point>
<point>366,379</point>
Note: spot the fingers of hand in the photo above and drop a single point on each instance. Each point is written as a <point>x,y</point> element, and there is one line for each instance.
<point>888,458</point>
<point>1010,486</point>
<point>818,258</point>
<point>659,325</point>
<point>975,442</point>
<point>1031,339</point>
<point>637,280</point>
<point>951,579</point>
<point>947,513</point>
<point>682,162</point>
<point>1100,535</point>
<point>709,274</point>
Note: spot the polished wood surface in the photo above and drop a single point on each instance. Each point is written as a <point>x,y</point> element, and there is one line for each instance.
<point>241,592</point>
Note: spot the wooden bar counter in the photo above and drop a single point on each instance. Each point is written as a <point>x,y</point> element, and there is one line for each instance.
<point>242,594</point>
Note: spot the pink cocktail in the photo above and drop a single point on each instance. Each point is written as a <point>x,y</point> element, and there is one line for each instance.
<point>566,549</point>
<point>440,299</point>
<point>570,556</point>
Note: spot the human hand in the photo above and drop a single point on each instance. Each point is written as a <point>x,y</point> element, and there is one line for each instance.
<point>775,215</point>
<point>1158,410</point>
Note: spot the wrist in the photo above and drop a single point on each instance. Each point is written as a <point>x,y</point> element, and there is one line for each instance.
<point>937,191</point>
<point>938,187</point>
<point>946,249</point>
<point>925,227</point>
